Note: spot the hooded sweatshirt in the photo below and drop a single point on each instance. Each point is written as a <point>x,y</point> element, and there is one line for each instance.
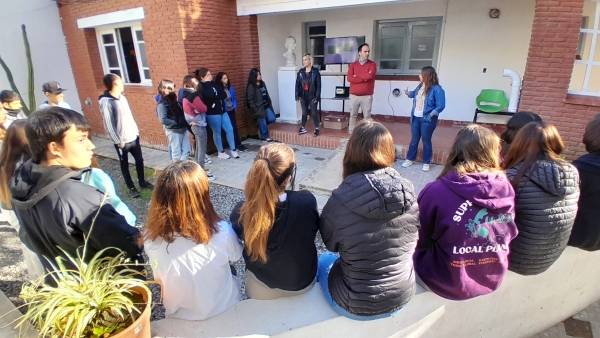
<point>546,205</point>
<point>118,118</point>
<point>586,230</point>
<point>371,219</point>
<point>12,115</point>
<point>291,253</point>
<point>193,107</point>
<point>56,210</point>
<point>467,224</point>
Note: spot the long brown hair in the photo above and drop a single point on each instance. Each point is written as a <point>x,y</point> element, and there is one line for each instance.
<point>181,206</point>
<point>537,141</point>
<point>272,167</point>
<point>430,79</point>
<point>14,149</point>
<point>370,147</point>
<point>475,150</point>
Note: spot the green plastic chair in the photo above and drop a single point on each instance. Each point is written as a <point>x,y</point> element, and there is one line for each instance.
<point>491,100</point>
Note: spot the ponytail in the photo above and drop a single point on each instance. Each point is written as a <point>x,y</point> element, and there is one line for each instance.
<point>274,164</point>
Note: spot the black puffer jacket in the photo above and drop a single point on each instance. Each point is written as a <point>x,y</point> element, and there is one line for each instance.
<point>372,220</point>
<point>586,230</point>
<point>545,205</point>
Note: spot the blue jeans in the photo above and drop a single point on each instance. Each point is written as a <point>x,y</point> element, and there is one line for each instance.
<point>325,263</point>
<point>264,122</point>
<point>179,144</point>
<point>421,130</point>
<point>218,122</point>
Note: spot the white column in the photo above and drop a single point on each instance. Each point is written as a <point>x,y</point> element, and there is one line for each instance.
<point>289,109</point>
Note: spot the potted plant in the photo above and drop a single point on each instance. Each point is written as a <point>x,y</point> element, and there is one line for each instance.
<point>103,297</point>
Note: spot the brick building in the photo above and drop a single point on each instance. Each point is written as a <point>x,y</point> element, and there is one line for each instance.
<point>146,41</point>
<point>552,43</point>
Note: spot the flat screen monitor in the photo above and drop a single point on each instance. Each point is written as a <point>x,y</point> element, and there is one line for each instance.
<point>342,50</point>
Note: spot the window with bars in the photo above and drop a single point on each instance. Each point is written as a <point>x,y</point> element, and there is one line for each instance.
<point>315,42</point>
<point>585,79</point>
<point>406,46</point>
<point>123,52</point>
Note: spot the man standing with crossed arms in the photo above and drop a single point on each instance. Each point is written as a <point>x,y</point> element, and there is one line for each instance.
<point>361,75</point>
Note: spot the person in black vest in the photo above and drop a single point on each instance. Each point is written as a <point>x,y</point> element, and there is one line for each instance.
<point>586,230</point>
<point>172,117</point>
<point>308,92</point>
<point>371,220</point>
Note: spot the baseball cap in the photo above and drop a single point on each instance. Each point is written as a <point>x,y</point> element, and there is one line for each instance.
<point>52,87</point>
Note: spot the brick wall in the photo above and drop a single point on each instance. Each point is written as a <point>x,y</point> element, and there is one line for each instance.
<point>550,61</point>
<point>180,37</point>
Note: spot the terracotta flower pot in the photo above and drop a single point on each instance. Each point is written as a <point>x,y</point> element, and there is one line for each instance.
<point>141,327</point>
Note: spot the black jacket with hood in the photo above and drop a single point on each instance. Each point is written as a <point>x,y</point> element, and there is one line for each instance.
<point>291,254</point>
<point>586,230</point>
<point>314,84</point>
<point>254,100</point>
<point>55,210</point>
<point>372,220</point>
<point>545,209</point>
<point>171,115</point>
<point>213,97</point>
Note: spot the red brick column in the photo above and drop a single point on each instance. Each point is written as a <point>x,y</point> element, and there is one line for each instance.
<point>554,38</point>
<point>250,55</point>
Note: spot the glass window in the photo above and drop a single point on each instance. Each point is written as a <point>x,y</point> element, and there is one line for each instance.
<point>124,53</point>
<point>405,46</point>
<point>315,42</point>
<point>585,78</point>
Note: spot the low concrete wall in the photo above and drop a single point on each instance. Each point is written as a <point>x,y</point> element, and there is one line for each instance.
<point>521,307</point>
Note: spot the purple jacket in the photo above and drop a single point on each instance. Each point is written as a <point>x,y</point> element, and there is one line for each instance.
<point>466,225</point>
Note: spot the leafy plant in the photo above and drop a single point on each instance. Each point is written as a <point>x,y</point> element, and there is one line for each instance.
<point>92,299</point>
<point>31,82</point>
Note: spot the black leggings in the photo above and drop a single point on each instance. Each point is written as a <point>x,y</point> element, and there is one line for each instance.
<point>304,103</point>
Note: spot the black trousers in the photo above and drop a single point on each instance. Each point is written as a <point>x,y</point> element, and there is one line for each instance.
<point>236,134</point>
<point>134,148</point>
<point>304,103</point>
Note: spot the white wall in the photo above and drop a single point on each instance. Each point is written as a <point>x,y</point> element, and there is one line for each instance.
<point>248,7</point>
<point>470,42</point>
<point>48,48</point>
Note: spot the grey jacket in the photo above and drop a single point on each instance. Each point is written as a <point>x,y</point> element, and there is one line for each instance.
<point>545,205</point>
<point>372,220</point>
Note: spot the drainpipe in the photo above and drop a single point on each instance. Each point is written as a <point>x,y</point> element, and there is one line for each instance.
<point>513,102</point>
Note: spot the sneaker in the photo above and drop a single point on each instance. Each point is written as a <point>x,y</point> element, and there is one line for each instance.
<point>210,177</point>
<point>425,167</point>
<point>208,172</point>
<point>316,132</point>
<point>147,185</point>
<point>302,131</point>
<point>133,192</point>
<point>223,155</point>
<point>207,159</point>
<point>268,139</point>
<point>234,154</point>
<point>242,148</point>
<point>407,163</point>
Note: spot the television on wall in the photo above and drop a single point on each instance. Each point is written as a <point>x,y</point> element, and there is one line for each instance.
<point>342,50</point>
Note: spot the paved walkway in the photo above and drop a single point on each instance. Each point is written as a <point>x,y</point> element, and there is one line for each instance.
<point>584,320</point>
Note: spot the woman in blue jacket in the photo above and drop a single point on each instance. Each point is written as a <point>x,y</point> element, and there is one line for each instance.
<point>230,105</point>
<point>429,100</point>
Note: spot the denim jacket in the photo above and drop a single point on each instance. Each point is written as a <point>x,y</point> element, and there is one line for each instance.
<point>435,102</point>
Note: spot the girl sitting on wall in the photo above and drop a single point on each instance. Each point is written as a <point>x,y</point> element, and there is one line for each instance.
<point>467,220</point>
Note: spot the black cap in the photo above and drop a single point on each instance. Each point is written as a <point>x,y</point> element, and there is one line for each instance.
<point>52,87</point>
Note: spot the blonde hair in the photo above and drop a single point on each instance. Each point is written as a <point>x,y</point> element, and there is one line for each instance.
<point>475,149</point>
<point>273,166</point>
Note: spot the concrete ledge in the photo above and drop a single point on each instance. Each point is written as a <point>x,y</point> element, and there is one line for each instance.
<point>521,307</point>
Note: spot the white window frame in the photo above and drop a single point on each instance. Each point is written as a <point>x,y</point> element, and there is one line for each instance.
<point>307,36</point>
<point>409,23</point>
<point>113,30</point>
<point>595,31</point>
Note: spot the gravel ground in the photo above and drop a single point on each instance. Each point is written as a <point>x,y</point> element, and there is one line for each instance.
<point>13,271</point>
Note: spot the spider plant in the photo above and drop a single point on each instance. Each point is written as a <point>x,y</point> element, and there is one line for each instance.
<point>89,299</point>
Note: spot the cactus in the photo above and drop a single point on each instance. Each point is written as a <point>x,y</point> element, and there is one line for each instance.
<point>31,84</point>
